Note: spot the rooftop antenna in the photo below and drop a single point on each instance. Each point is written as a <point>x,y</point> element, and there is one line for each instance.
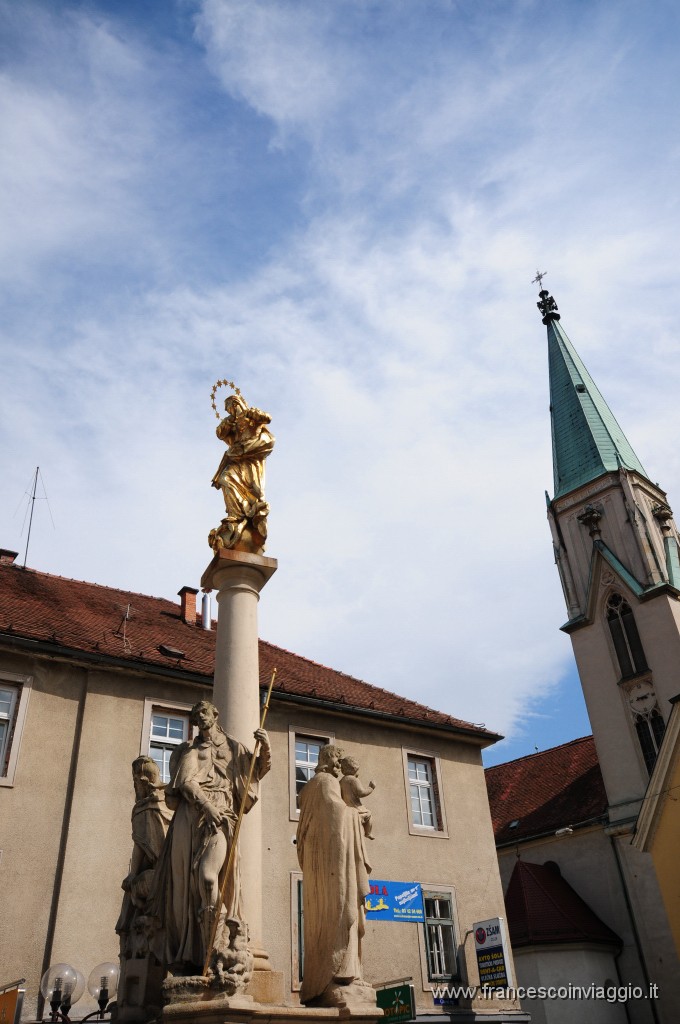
<point>32,500</point>
<point>28,539</point>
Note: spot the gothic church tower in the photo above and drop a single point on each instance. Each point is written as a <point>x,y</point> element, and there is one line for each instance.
<point>616,550</point>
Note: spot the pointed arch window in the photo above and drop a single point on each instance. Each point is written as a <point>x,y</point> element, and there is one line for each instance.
<point>650,729</point>
<point>625,636</point>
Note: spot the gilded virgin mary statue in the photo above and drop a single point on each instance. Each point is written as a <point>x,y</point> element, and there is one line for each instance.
<point>240,477</point>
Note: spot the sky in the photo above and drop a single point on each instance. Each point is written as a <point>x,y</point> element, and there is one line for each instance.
<point>340,206</point>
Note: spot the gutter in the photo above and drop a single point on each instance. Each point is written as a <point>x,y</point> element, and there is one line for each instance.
<point>600,819</point>
<point>137,667</point>
<point>351,710</point>
<point>57,651</point>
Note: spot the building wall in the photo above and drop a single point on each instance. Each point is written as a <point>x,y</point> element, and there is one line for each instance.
<point>664,844</point>
<point>83,729</point>
<point>464,859</point>
<point>560,969</point>
<point>588,862</point>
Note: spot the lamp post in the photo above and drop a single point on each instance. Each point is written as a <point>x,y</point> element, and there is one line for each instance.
<point>63,985</point>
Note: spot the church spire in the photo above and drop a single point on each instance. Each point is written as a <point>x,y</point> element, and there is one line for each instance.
<point>587,441</point>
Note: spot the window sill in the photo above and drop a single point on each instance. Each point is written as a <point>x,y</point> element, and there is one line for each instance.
<point>423,830</point>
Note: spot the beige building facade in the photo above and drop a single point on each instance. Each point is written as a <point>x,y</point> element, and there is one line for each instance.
<point>90,678</point>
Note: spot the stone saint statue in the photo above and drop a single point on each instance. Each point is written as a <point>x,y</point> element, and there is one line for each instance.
<point>209,784</point>
<point>335,869</point>
<point>240,476</point>
<point>140,974</point>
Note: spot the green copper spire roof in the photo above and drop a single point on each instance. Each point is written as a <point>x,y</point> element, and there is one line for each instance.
<point>587,441</point>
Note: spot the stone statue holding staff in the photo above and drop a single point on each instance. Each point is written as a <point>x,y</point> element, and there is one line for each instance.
<point>197,902</point>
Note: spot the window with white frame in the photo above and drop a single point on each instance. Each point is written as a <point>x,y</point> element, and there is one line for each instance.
<point>167,732</point>
<point>423,811</point>
<point>8,702</point>
<point>14,693</point>
<point>164,727</point>
<point>422,774</point>
<point>440,936</point>
<point>304,747</point>
<point>306,759</point>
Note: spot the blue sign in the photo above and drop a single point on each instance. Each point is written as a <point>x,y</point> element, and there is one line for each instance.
<point>394,901</point>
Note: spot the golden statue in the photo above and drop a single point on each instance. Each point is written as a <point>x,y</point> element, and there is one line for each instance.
<point>240,475</point>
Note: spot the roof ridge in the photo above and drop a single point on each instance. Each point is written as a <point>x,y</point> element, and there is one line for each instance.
<point>538,753</point>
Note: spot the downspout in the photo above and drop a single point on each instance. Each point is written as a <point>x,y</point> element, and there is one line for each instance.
<point>636,936</point>
<point>63,841</point>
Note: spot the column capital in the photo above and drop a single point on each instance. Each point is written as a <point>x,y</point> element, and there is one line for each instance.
<point>258,569</point>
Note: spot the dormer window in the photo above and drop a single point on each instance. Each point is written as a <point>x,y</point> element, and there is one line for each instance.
<point>625,637</point>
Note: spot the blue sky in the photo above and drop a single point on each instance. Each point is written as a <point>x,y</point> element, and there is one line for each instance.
<point>341,207</point>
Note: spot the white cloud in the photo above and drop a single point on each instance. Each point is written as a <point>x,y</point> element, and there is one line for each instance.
<point>276,58</point>
<point>390,328</point>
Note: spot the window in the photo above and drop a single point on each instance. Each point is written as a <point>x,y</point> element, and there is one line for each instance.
<point>8,702</point>
<point>437,936</point>
<point>625,636</point>
<point>167,732</point>
<point>303,750</point>
<point>306,760</point>
<point>14,693</point>
<point>425,810</point>
<point>650,729</point>
<point>422,793</point>
<point>165,726</point>
<point>440,936</point>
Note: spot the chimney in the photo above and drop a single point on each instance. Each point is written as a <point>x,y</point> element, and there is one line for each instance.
<point>187,596</point>
<point>206,620</point>
<point>7,557</point>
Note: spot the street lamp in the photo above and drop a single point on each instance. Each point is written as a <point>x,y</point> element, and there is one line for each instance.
<point>63,985</point>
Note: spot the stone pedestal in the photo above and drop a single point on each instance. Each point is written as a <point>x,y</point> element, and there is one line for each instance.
<point>238,577</point>
<point>241,1011</point>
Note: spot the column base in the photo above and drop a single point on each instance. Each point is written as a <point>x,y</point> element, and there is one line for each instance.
<point>240,1011</point>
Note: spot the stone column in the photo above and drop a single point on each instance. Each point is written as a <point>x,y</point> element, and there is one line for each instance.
<point>238,577</point>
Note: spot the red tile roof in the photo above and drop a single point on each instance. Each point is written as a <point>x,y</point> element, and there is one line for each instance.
<point>543,908</point>
<point>101,622</point>
<point>546,791</point>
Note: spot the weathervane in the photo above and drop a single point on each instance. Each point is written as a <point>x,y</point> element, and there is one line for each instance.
<point>540,274</point>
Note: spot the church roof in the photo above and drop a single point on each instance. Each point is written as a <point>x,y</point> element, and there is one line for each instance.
<point>543,909</point>
<point>538,794</point>
<point>587,440</point>
<point>73,619</point>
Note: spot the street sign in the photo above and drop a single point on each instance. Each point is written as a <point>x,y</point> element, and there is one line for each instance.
<point>491,947</point>
<point>394,901</point>
<point>397,1002</point>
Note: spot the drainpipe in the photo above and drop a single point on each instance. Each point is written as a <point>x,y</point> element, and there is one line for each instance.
<point>636,936</point>
<point>61,855</point>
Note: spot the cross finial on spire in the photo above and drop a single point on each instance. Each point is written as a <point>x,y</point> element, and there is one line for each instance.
<point>546,303</point>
